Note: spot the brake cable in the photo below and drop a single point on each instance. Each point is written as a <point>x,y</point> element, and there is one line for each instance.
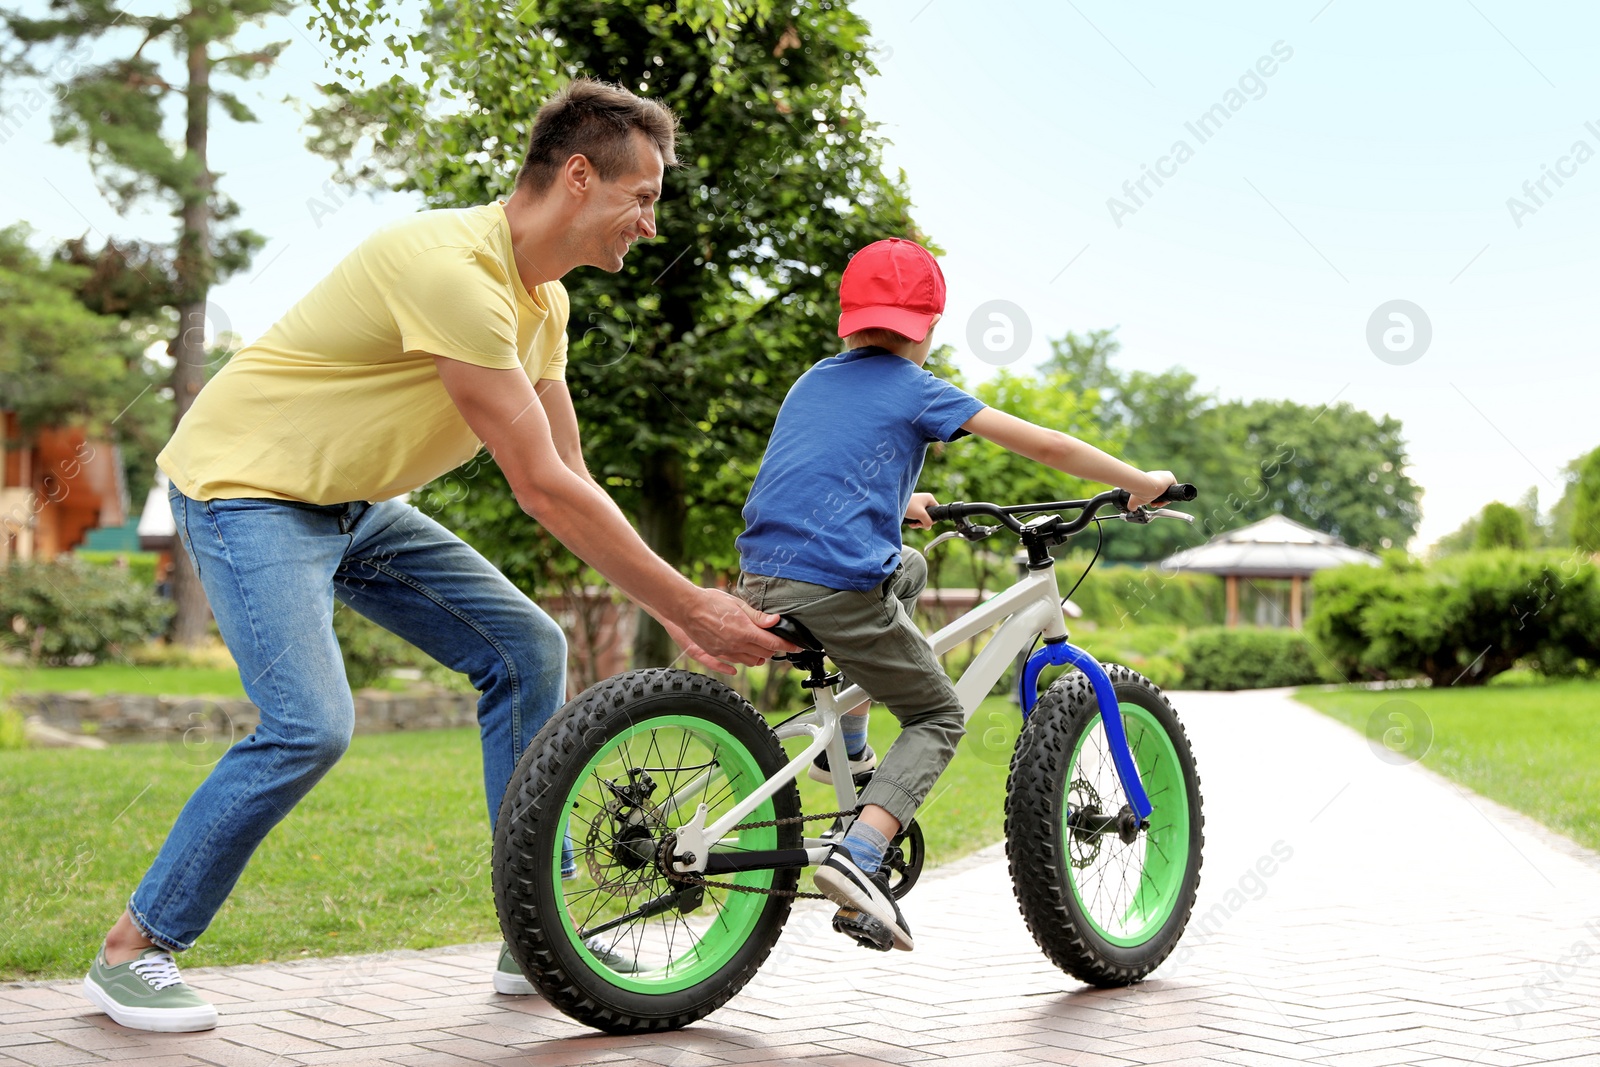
<point>1100,539</point>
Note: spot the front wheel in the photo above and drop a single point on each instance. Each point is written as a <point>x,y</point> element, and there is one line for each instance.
<point>1105,899</point>
<point>620,946</point>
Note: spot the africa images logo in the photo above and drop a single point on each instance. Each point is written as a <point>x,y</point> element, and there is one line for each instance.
<point>1536,192</point>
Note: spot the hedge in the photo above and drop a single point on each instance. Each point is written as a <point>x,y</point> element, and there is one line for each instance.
<point>1462,620</point>
<point>1123,596</point>
<point>1247,658</point>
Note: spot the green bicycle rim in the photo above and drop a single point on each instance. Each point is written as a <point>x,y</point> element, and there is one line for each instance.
<point>1166,843</point>
<point>739,912</point>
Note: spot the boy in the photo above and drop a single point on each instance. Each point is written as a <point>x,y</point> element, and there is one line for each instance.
<point>822,542</point>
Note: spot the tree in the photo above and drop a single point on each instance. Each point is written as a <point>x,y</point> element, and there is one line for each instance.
<point>63,364</point>
<point>1585,513</point>
<point>1463,538</point>
<point>117,112</point>
<point>1540,530</point>
<point>1085,361</point>
<point>1501,526</point>
<point>1336,469</point>
<point>685,354</point>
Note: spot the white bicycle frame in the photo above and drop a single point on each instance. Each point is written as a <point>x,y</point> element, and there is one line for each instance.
<point>1030,608</point>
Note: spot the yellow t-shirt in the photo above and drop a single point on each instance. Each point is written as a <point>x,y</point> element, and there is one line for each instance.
<point>340,400</point>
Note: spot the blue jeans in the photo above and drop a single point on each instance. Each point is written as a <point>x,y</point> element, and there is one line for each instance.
<point>272,570</point>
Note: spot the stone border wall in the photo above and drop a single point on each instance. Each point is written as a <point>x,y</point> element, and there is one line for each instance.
<point>203,721</point>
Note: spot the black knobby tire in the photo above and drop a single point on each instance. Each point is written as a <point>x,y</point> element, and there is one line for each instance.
<point>1104,911</point>
<point>670,725</point>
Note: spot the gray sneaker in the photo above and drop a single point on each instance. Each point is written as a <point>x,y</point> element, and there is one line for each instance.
<point>147,994</point>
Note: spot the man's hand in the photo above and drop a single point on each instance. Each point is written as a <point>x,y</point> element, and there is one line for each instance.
<point>719,627</point>
<point>1157,482</point>
<point>917,510</point>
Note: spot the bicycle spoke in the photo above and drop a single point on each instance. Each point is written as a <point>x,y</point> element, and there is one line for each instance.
<point>620,800</point>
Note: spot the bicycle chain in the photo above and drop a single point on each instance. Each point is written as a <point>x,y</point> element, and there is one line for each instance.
<point>664,858</point>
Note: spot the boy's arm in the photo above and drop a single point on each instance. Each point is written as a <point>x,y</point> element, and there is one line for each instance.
<point>1067,454</point>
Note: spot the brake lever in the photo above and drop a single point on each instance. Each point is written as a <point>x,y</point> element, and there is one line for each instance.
<point>1142,516</point>
<point>964,530</point>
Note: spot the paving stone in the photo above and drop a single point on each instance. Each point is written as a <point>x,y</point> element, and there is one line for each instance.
<point>1440,967</point>
<point>52,1054</point>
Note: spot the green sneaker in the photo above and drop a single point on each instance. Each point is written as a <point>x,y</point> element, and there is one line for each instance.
<point>611,957</point>
<point>147,994</point>
<point>508,977</point>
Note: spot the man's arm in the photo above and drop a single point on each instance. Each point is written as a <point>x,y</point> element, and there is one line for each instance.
<point>556,399</point>
<point>507,415</point>
<point>1068,454</point>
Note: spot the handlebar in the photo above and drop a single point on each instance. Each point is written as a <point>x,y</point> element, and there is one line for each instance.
<point>960,511</point>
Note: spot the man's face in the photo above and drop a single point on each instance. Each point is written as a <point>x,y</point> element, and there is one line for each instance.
<point>617,213</point>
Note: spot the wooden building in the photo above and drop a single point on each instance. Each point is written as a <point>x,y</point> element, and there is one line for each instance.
<point>56,484</point>
<point>1271,561</point>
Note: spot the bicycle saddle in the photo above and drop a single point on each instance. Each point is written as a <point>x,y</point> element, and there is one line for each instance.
<point>794,631</point>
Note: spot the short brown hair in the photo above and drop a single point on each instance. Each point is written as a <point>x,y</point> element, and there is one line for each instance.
<point>877,337</point>
<point>595,120</point>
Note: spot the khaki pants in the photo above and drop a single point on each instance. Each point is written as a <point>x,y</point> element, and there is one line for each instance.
<point>871,637</point>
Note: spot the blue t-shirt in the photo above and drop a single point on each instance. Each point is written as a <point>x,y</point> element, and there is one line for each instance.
<point>841,466</point>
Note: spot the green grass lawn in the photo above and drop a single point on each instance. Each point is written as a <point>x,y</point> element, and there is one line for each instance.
<point>1534,748</point>
<point>391,850</point>
<point>123,678</point>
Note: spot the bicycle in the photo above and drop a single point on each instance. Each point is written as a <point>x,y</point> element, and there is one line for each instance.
<point>685,816</point>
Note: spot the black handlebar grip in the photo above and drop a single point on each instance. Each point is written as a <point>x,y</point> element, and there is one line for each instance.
<point>938,512</point>
<point>1180,491</point>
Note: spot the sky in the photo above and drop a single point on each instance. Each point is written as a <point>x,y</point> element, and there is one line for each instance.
<point>1346,205</point>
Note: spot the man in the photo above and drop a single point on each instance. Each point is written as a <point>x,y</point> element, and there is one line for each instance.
<point>439,332</point>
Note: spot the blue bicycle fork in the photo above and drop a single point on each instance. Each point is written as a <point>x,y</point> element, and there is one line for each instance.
<point>1061,653</point>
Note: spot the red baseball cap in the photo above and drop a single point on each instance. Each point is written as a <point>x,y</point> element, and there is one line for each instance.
<point>891,285</point>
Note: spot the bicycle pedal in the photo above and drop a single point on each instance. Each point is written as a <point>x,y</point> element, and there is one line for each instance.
<point>863,929</point>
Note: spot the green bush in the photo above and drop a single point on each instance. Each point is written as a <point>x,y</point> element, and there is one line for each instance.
<point>141,566</point>
<point>1249,659</point>
<point>1340,598</point>
<point>1464,619</point>
<point>371,652</point>
<point>1120,597</point>
<point>1164,671</point>
<point>68,612</point>
<point>1150,650</point>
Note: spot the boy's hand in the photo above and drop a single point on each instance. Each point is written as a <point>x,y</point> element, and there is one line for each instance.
<point>917,510</point>
<point>1158,482</point>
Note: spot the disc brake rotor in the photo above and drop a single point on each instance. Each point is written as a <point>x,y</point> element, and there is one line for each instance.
<point>1083,848</point>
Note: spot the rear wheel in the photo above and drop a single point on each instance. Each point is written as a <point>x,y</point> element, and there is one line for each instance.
<point>1105,899</point>
<point>621,946</point>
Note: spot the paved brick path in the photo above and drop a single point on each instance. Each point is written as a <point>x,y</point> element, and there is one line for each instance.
<point>1411,922</point>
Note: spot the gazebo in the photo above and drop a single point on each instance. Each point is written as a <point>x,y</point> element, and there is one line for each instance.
<point>1272,550</point>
